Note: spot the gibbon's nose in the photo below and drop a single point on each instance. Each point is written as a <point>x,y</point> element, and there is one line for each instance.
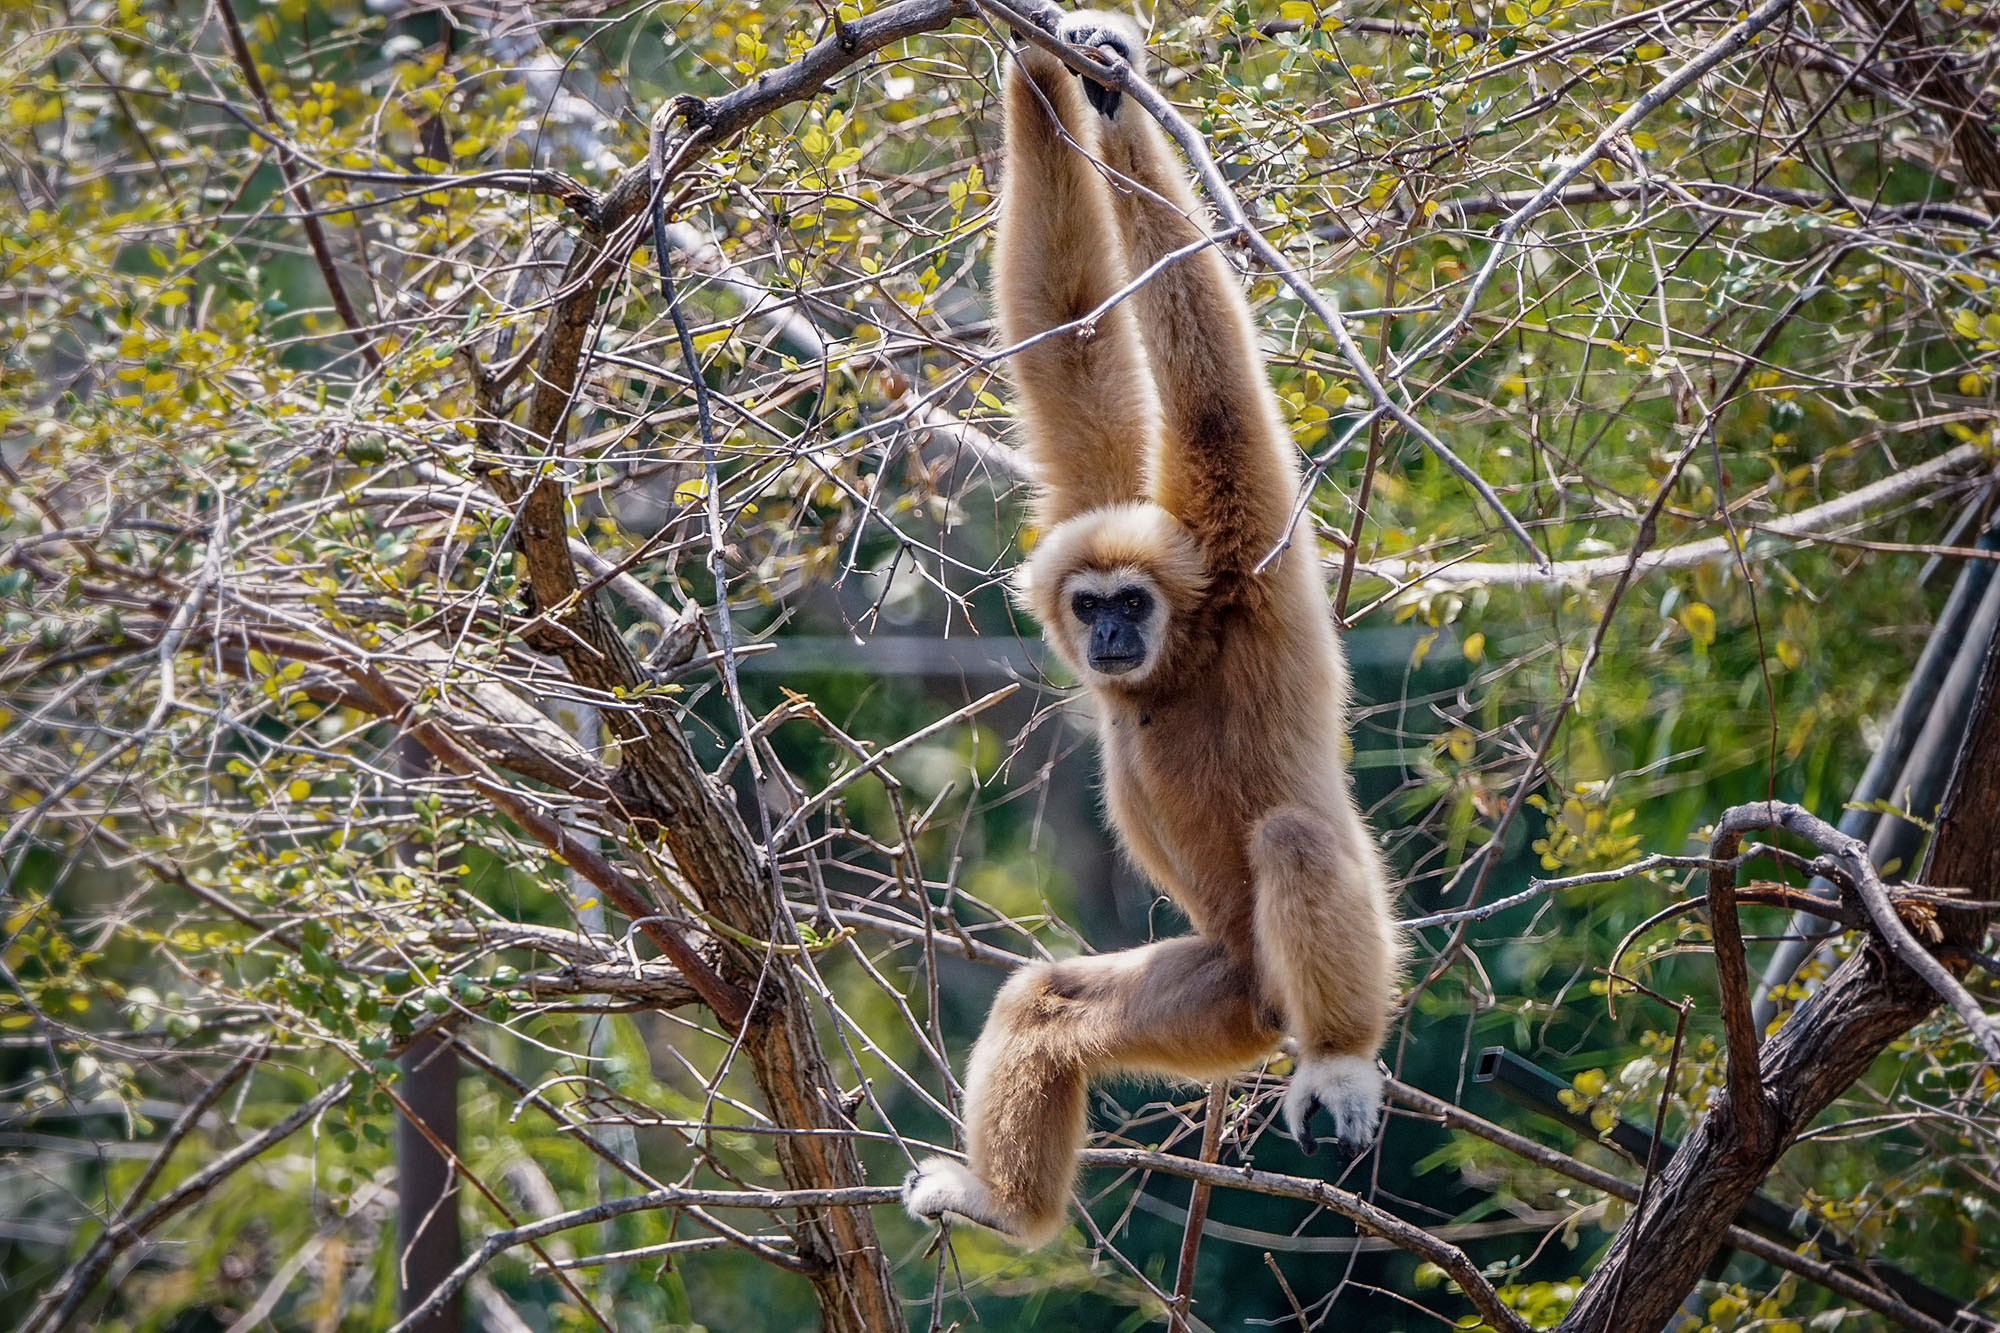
<point>1115,646</point>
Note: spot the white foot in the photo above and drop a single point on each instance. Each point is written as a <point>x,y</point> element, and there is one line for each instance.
<point>1348,1088</point>
<point>939,1186</point>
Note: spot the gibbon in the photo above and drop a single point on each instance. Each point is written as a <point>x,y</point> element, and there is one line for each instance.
<point>1220,690</point>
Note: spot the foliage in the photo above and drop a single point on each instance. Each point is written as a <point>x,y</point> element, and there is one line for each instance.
<point>227,511</point>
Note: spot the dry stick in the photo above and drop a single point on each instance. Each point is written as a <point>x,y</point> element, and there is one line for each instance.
<point>288,168</point>
<point>1211,1144</point>
<point>1803,524</point>
<point>178,627</point>
<point>1024,15</point>
<point>1642,541</point>
<point>465,1173</point>
<point>860,1196</point>
<point>1366,1216</point>
<point>1364,490</point>
<point>187,1120</point>
<point>1771,1252</point>
<point>1298,1312</point>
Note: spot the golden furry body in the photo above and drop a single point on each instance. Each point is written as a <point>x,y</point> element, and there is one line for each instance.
<point>1168,475</point>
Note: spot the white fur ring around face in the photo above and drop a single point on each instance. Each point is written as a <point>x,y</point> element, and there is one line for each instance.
<point>939,1186</point>
<point>1347,1087</point>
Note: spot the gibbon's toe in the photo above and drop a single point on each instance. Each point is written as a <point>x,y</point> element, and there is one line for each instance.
<point>939,1186</point>
<point>1348,1088</point>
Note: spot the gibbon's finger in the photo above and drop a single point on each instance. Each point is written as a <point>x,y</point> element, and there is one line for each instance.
<point>1343,1151</point>
<point>1102,99</point>
<point>1101,35</point>
<point>1348,1088</point>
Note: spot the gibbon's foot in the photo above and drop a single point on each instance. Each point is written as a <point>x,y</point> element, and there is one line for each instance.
<point>1091,29</point>
<point>939,1186</point>
<point>1347,1087</point>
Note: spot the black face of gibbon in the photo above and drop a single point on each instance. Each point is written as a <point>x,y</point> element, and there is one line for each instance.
<point>1117,628</point>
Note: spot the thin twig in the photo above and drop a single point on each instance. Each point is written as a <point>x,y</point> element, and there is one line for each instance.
<point>1211,1143</point>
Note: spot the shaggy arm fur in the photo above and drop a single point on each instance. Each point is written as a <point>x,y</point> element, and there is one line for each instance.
<point>1088,409</point>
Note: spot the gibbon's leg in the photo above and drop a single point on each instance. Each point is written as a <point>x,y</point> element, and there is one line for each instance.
<point>1226,466</point>
<point>1181,1007</point>
<point>1326,944</point>
<point>1085,398</point>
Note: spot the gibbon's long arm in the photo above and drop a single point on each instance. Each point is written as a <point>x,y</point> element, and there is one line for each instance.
<point>1085,398</point>
<point>1226,467</point>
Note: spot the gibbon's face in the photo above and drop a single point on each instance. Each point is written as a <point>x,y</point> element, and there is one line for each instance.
<point>1117,620</point>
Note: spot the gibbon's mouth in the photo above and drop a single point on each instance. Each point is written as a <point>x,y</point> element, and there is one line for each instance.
<point>1116,666</point>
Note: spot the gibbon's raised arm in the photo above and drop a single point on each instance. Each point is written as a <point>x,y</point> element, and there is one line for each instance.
<point>1227,467</point>
<point>1084,396</point>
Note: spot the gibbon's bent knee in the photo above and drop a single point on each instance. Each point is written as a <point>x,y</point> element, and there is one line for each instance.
<point>1033,998</point>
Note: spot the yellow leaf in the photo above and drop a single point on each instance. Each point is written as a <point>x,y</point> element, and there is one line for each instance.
<point>1474,647</point>
<point>1298,9</point>
<point>298,789</point>
<point>1699,620</point>
<point>1643,140</point>
<point>689,491</point>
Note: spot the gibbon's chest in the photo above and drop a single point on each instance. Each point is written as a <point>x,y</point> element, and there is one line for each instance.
<point>1189,771</point>
<point>1174,777</point>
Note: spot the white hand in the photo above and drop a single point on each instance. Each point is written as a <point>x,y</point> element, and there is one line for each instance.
<point>1347,1087</point>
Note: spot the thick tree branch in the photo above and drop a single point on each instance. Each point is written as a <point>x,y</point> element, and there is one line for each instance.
<point>1831,1041</point>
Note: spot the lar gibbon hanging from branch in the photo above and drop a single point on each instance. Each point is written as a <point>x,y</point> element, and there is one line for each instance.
<point>1221,690</point>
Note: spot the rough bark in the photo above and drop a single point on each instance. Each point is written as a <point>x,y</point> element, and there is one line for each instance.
<point>669,795</point>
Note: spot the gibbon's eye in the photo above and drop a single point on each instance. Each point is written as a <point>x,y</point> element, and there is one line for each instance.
<point>1084,605</point>
<point>1134,603</point>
